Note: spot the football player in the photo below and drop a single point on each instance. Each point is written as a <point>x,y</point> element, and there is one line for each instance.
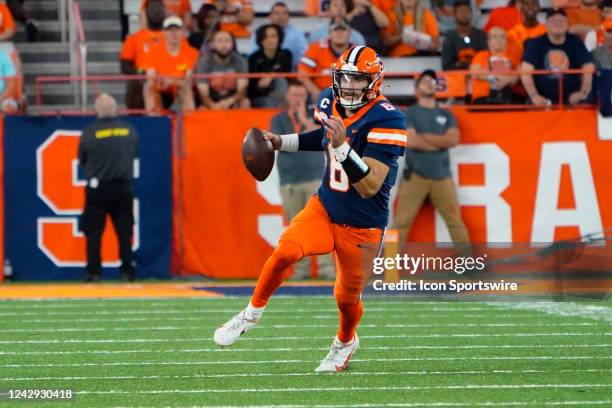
<point>363,135</point>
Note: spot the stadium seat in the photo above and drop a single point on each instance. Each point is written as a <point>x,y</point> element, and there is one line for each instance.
<point>242,44</point>
<point>264,6</point>
<point>306,24</point>
<point>261,7</point>
<point>488,5</point>
<point>404,86</point>
<point>131,7</point>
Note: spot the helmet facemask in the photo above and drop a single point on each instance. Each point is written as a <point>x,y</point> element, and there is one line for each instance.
<point>353,89</point>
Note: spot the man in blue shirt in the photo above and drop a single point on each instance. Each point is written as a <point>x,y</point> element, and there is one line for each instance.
<point>294,40</point>
<point>557,50</point>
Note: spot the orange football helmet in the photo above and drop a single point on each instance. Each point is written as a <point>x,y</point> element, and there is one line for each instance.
<point>357,77</point>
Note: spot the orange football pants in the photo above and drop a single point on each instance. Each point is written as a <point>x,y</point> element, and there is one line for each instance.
<point>311,232</point>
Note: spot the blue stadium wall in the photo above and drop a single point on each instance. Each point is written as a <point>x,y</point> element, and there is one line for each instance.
<point>44,195</point>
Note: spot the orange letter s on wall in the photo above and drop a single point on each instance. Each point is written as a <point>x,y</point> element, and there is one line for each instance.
<point>59,187</point>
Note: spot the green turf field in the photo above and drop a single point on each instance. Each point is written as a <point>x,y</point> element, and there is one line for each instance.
<point>156,352</point>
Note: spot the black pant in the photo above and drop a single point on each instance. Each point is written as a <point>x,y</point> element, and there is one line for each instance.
<point>134,98</point>
<point>117,199</point>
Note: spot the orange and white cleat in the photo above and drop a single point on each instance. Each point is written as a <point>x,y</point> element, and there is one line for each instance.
<point>339,356</point>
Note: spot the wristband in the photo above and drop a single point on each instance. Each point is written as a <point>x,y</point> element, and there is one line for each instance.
<point>290,142</point>
<point>342,151</point>
<point>354,167</point>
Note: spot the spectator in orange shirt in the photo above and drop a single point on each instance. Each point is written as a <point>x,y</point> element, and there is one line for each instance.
<point>320,56</point>
<point>169,66</point>
<point>7,24</point>
<point>595,38</point>
<point>504,17</point>
<point>565,4</point>
<point>494,87</point>
<point>585,18</point>
<point>181,8</point>
<point>418,30</point>
<point>135,49</point>
<point>527,29</point>
<point>236,16</point>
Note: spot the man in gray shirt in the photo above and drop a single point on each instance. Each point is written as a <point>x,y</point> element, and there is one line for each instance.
<point>603,55</point>
<point>299,172</point>
<point>427,172</point>
<point>221,92</point>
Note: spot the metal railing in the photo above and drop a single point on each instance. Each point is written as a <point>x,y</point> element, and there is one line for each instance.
<point>63,20</point>
<point>96,80</point>
<point>78,53</point>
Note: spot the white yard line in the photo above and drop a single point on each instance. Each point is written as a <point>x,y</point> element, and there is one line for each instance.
<point>306,374</point>
<point>270,315</point>
<point>282,299</point>
<point>163,300</point>
<point>171,302</point>
<point>284,338</point>
<point>78,311</point>
<point>416,404</point>
<point>293,349</point>
<point>256,362</point>
<point>327,389</point>
<point>292,326</point>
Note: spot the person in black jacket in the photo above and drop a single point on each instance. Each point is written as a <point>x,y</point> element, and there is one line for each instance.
<point>107,151</point>
<point>269,92</point>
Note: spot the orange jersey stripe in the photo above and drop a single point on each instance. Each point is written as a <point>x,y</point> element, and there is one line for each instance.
<point>391,142</point>
<point>386,130</point>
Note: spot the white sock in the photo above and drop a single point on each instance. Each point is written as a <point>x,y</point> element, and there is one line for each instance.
<point>337,340</point>
<point>255,311</point>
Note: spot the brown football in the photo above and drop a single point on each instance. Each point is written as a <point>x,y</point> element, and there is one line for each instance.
<point>257,154</point>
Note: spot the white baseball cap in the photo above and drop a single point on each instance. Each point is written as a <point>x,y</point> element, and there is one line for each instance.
<point>173,21</point>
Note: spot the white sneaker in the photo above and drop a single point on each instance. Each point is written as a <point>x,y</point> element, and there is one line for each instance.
<point>227,334</point>
<point>338,357</point>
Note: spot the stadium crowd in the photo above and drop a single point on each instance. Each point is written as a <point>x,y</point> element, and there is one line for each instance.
<point>173,45</point>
